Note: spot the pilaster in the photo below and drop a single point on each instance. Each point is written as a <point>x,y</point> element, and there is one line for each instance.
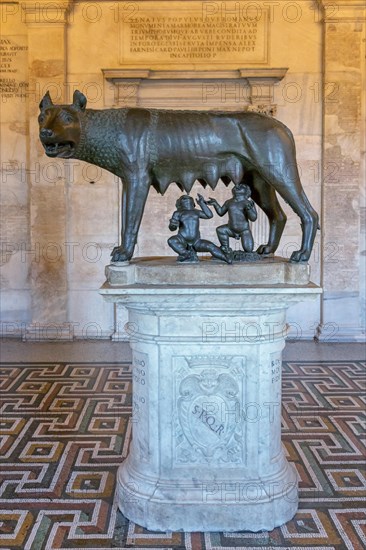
<point>46,24</point>
<point>343,207</point>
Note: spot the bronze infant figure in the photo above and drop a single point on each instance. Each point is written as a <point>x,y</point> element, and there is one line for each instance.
<point>240,209</point>
<point>188,241</point>
<point>147,147</point>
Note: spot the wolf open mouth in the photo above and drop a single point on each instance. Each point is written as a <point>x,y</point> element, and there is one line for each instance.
<point>62,149</point>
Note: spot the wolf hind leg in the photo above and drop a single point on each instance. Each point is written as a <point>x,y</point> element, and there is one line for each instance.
<point>310,225</point>
<point>265,197</point>
<point>292,192</point>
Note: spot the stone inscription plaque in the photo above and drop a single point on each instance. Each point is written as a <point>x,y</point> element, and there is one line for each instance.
<point>13,67</point>
<point>195,33</point>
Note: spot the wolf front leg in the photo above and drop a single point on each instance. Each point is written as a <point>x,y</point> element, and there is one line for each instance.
<point>134,195</point>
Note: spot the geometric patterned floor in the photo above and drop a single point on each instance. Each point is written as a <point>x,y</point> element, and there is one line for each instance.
<point>65,428</point>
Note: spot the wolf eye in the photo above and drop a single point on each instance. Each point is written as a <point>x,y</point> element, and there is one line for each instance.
<point>66,117</point>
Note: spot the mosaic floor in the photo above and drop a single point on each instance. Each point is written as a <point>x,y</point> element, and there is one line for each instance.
<point>65,428</point>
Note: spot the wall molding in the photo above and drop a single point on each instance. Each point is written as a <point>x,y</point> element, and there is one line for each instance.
<point>260,82</point>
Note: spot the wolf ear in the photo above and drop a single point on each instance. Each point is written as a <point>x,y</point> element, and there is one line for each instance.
<point>46,101</point>
<point>79,100</point>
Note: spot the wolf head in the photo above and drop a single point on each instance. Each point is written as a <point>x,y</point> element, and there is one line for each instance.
<point>59,125</point>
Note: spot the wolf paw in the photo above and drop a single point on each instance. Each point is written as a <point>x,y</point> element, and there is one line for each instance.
<point>264,249</point>
<point>120,255</point>
<point>300,256</point>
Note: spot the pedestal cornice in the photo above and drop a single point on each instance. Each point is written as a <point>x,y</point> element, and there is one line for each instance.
<point>151,280</point>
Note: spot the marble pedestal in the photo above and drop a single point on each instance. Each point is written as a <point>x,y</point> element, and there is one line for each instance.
<point>207,340</point>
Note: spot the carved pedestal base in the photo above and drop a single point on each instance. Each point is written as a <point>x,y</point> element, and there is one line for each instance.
<point>206,453</point>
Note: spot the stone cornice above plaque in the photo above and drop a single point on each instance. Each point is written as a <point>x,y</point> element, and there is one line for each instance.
<point>342,11</point>
<point>260,82</point>
<point>343,3</point>
<point>45,13</point>
<point>268,75</point>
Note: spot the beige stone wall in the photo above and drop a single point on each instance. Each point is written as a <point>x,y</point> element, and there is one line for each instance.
<point>61,218</point>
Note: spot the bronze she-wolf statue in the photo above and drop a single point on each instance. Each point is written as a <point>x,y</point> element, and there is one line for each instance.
<point>156,148</point>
